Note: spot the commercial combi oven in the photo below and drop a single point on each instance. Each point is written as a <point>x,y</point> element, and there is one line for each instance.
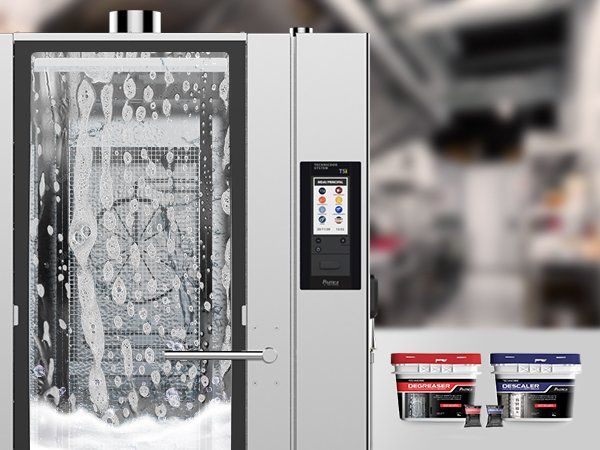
<point>185,235</point>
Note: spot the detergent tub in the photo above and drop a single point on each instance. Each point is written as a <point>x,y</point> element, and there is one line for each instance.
<point>536,387</point>
<point>435,386</point>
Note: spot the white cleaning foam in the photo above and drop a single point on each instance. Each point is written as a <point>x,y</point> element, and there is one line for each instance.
<point>210,429</point>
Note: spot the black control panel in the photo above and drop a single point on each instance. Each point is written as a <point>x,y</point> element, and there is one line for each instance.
<point>330,210</point>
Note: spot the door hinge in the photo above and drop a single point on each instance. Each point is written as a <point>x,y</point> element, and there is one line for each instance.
<point>15,315</point>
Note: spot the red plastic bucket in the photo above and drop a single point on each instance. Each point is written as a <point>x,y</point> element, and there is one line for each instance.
<point>435,386</point>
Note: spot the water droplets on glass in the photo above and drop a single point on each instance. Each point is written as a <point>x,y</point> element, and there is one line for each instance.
<point>129,87</point>
<point>169,79</point>
<point>166,107</point>
<point>140,113</point>
<point>127,112</point>
<point>148,94</point>
<point>148,224</point>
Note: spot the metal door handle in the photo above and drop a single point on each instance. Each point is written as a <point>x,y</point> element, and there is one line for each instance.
<point>268,355</point>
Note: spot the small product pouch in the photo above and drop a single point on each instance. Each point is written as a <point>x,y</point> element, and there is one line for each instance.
<point>494,416</point>
<point>473,416</point>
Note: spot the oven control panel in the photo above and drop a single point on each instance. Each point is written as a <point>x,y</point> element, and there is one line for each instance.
<point>330,218</point>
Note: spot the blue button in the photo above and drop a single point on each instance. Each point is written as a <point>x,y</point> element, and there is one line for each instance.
<point>322,209</point>
<point>339,209</point>
<point>322,191</point>
<point>322,219</point>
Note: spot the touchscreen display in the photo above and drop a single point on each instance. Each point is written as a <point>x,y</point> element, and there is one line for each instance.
<point>330,203</point>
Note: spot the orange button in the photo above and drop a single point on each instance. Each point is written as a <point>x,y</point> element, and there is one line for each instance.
<point>322,199</point>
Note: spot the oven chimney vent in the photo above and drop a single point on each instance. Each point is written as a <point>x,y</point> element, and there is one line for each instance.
<point>134,21</point>
<point>300,30</point>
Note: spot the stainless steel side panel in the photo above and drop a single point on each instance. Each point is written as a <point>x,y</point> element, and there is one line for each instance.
<point>269,240</point>
<point>6,240</point>
<point>332,381</point>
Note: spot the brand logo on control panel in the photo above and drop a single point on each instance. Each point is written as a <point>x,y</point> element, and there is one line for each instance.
<point>330,283</point>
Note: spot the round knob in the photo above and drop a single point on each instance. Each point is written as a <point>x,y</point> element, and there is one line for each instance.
<point>270,355</point>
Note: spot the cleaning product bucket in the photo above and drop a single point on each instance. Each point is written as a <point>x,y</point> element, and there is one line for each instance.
<point>536,386</point>
<point>435,386</point>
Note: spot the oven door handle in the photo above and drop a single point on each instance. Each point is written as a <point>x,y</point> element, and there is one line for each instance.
<point>268,355</point>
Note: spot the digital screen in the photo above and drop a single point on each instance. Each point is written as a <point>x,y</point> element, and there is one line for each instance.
<point>330,203</point>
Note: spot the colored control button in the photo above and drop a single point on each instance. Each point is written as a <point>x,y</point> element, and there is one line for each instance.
<point>338,190</point>
<point>322,209</point>
<point>339,209</point>
<point>322,191</point>
<point>338,220</point>
<point>338,200</point>
<point>322,219</point>
<point>322,199</point>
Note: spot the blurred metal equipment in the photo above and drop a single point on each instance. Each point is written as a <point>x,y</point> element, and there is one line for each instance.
<point>357,15</point>
<point>438,16</point>
<point>510,70</point>
<point>134,21</point>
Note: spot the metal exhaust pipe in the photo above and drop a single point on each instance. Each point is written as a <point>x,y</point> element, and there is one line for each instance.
<point>134,21</point>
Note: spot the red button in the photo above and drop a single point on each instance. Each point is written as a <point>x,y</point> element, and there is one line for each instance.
<point>322,199</point>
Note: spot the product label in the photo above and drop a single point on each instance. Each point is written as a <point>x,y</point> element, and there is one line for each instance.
<point>435,398</point>
<point>533,385</point>
<point>536,399</point>
<point>433,386</point>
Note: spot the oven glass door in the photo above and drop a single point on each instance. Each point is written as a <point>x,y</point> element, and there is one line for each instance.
<point>130,249</point>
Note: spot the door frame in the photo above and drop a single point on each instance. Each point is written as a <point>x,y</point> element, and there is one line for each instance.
<point>23,49</point>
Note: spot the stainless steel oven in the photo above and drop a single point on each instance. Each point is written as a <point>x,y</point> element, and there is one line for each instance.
<point>185,240</point>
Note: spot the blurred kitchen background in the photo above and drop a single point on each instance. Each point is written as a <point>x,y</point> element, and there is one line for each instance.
<point>485,144</point>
